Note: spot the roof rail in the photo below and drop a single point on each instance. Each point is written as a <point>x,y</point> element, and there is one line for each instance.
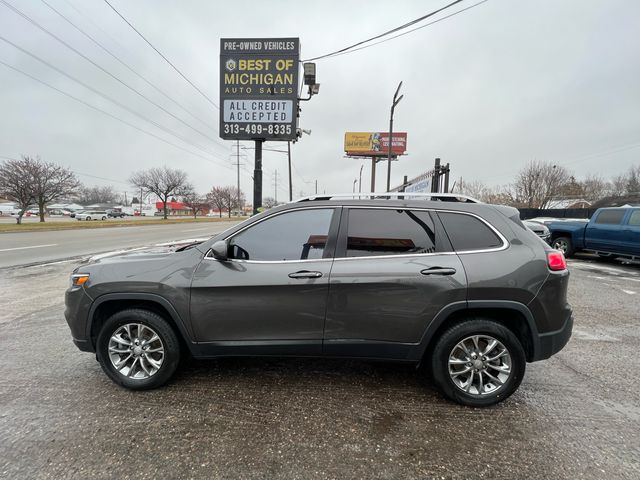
<point>443,197</point>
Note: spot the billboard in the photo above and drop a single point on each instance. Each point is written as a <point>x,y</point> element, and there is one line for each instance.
<point>374,144</point>
<point>259,88</point>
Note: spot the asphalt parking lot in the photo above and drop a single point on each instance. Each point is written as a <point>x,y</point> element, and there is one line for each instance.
<point>575,415</point>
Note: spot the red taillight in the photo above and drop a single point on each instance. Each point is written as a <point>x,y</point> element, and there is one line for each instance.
<point>556,261</point>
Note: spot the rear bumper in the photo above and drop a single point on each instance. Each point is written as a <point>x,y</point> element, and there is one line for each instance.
<point>551,343</point>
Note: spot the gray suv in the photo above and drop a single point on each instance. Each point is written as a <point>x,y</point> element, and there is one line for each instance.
<point>462,288</point>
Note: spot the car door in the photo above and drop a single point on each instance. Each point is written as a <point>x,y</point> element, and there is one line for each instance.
<point>605,232</point>
<point>632,233</point>
<point>271,294</point>
<point>393,271</point>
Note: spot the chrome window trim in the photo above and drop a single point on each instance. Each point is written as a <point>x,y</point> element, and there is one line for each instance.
<point>207,255</point>
<point>504,246</point>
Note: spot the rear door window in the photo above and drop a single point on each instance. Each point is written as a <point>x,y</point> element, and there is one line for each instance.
<point>467,232</point>
<point>381,232</point>
<point>610,217</point>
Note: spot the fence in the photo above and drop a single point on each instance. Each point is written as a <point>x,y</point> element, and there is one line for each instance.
<point>527,213</point>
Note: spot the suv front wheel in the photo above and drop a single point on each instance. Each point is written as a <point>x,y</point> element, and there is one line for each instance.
<point>478,362</point>
<point>138,349</point>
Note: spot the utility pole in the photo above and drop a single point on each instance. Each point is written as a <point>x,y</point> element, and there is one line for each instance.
<point>360,179</point>
<point>373,174</point>
<point>290,184</point>
<point>316,187</point>
<point>276,187</point>
<point>238,166</point>
<point>257,177</point>
<point>396,101</point>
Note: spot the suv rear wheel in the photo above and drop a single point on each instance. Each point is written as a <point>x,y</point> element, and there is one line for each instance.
<point>478,362</point>
<point>138,349</point>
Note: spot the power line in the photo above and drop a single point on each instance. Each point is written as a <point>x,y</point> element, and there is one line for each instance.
<point>384,34</point>
<point>148,82</point>
<point>163,57</point>
<point>121,105</point>
<point>70,47</point>
<point>412,30</point>
<point>111,115</point>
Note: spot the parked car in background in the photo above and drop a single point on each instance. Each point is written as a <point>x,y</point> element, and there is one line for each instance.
<point>73,214</point>
<point>8,209</point>
<point>113,213</point>
<point>462,288</point>
<point>610,232</point>
<point>539,229</point>
<point>92,215</point>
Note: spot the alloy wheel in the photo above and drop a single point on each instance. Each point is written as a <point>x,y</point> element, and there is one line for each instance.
<point>136,351</point>
<point>561,245</point>
<point>479,365</point>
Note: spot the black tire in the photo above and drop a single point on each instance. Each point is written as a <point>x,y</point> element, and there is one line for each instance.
<point>162,329</point>
<point>451,337</point>
<point>564,244</point>
<point>104,218</point>
<point>88,218</point>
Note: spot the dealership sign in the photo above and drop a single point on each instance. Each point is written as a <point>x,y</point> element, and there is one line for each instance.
<point>259,88</point>
<point>374,144</point>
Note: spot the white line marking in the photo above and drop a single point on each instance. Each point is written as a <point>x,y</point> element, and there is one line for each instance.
<point>24,248</point>
<point>196,229</point>
<point>630,292</point>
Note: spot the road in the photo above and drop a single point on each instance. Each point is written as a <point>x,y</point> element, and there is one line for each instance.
<point>36,247</point>
<point>574,416</point>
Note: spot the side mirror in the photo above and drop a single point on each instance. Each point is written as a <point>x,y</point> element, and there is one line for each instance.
<point>220,250</point>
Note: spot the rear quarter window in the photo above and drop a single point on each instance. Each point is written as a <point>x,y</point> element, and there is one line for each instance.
<point>467,232</point>
<point>634,219</point>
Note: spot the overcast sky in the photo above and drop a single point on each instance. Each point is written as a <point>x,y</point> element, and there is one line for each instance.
<point>489,90</point>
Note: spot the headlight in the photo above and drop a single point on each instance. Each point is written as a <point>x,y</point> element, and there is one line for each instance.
<point>79,279</point>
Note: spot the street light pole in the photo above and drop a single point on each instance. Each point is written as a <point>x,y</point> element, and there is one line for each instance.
<point>360,179</point>
<point>396,101</point>
<point>354,185</point>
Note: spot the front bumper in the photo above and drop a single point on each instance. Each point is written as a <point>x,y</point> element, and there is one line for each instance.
<point>77,304</point>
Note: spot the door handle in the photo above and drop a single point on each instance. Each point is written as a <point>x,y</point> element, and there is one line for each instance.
<point>305,274</point>
<point>438,271</point>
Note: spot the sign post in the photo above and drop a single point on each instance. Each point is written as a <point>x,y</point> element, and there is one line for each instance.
<point>259,94</point>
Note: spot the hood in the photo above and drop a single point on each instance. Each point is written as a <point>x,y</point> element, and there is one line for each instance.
<point>150,252</point>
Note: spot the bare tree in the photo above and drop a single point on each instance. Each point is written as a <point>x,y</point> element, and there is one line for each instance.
<point>162,182</point>
<point>595,188</point>
<point>269,202</point>
<point>231,196</point>
<point>538,183</point>
<point>195,202</point>
<point>51,182</point>
<point>477,189</point>
<point>619,185</point>
<point>217,198</point>
<point>633,181</point>
<point>88,195</point>
<point>16,183</point>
